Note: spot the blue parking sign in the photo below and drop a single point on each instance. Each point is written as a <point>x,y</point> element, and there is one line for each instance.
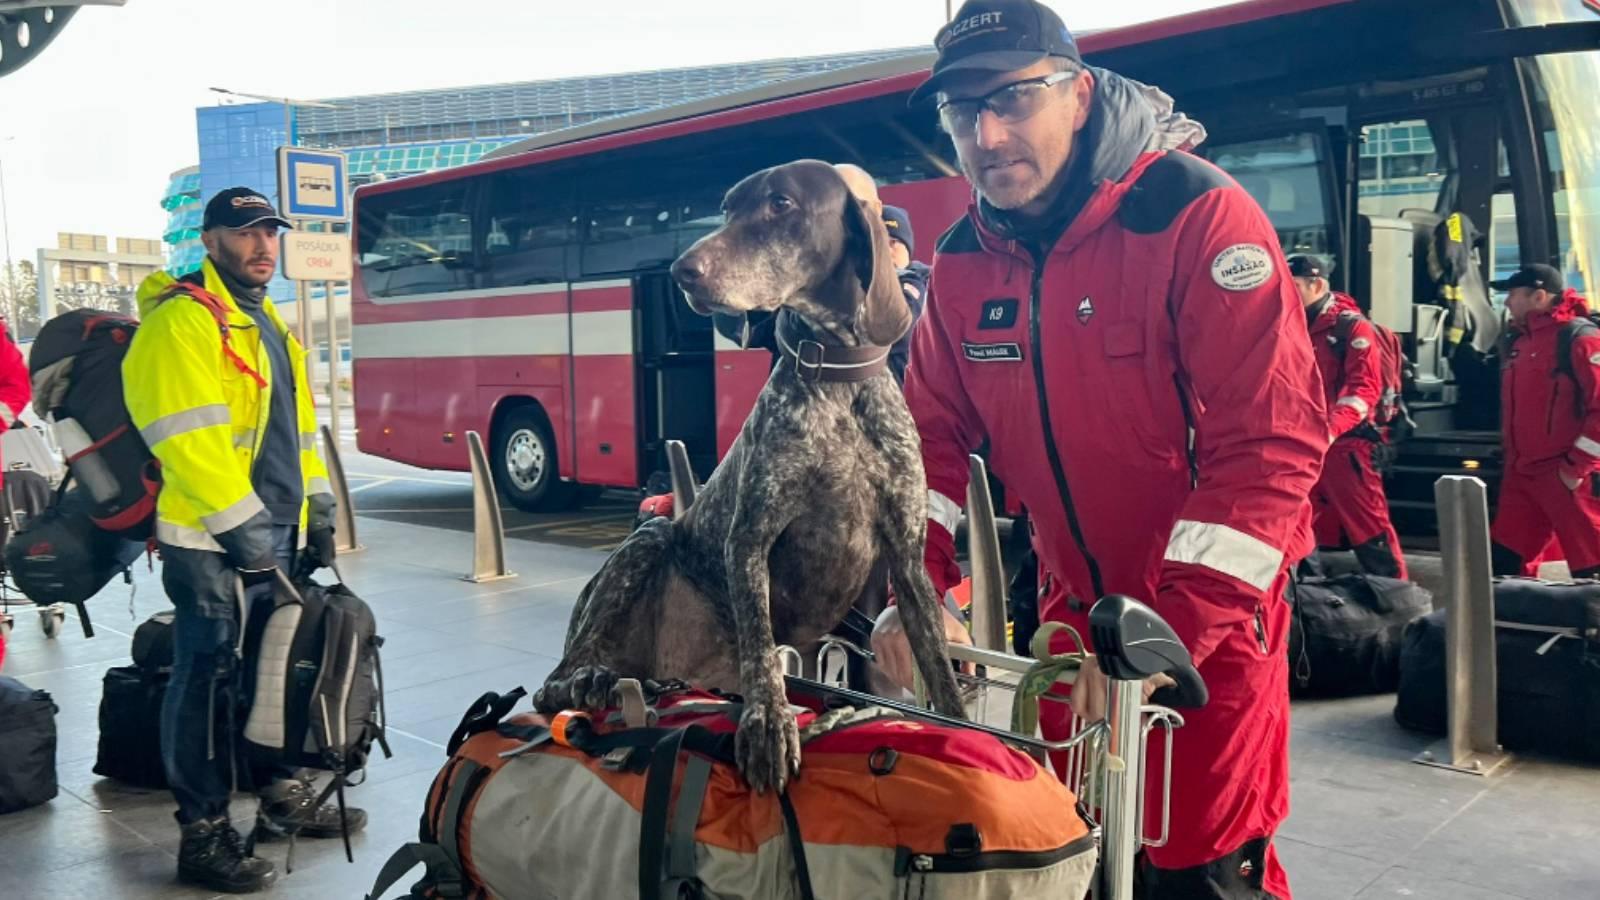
<point>312,185</point>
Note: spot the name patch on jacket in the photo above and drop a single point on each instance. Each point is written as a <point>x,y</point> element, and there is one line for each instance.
<point>1008,352</point>
<point>1000,313</point>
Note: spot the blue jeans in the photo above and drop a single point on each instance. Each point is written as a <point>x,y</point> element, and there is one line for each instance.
<point>205,676</point>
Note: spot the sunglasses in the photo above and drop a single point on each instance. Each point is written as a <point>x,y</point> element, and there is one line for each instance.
<point>1011,103</point>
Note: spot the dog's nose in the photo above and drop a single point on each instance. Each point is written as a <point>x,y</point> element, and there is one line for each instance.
<point>690,269</point>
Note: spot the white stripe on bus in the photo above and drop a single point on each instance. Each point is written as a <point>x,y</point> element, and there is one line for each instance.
<point>608,333</point>
<point>490,293</point>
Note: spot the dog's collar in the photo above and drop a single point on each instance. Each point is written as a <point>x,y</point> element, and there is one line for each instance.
<point>814,362</point>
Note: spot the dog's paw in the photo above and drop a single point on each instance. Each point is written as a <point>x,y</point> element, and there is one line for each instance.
<point>588,688</point>
<point>767,745</point>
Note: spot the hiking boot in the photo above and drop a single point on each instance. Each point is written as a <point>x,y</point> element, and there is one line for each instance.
<point>290,807</point>
<point>212,856</point>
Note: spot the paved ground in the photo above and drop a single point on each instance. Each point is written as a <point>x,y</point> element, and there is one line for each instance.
<point>1366,823</point>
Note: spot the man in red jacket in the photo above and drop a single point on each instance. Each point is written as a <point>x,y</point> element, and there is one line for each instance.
<point>1549,505</point>
<point>1348,506</point>
<point>1114,316</point>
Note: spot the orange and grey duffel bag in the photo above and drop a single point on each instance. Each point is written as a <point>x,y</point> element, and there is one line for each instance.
<point>645,802</point>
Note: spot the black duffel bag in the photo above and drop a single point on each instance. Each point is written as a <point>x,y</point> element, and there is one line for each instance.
<point>1547,659</point>
<point>27,746</point>
<point>1345,636</point>
<point>130,727</point>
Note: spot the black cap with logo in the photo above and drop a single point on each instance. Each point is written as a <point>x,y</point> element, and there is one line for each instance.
<point>1308,265</point>
<point>997,36</point>
<point>1537,276</point>
<point>240,207</point>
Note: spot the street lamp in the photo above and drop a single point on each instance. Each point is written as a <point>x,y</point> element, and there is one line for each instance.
<point>5,222</point>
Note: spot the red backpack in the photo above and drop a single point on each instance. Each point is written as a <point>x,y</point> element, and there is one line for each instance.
<point>1391,406</point>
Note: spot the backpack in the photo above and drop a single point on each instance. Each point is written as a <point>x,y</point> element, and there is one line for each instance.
<point>1391,408</point>
<point>1588,323</point>
<point>27,747</point>
<point>594,805</point>
<point>314,684</point>
<point>62,556</point>
<point>76,369</point>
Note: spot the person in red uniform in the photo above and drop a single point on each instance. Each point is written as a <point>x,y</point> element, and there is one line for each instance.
<point>1348,506</point>
<point>15,392</point>
<point>1115,318</point>
<point>1549,505</point>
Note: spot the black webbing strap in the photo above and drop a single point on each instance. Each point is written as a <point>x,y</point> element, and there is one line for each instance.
<point>484,714</point>
<point>444,877</point>
<point>685,816</point>
<point>653,817</point>
<point>450,828</point>
<point>797,846</point>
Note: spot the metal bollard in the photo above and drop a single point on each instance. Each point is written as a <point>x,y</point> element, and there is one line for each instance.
<point>488,532</point>
<point>344,520</point>
<point>1473,744</point>
<point>683,483</point>
<point>988,571</point>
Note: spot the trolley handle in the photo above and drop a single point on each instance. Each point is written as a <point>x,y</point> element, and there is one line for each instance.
<point>1132,642</point>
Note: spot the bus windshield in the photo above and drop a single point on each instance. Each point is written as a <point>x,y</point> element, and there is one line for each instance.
<point>1567,97</point>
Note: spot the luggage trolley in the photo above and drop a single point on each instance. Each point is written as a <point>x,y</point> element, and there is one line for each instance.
<point>1106,761</point>
<point>32,474</point>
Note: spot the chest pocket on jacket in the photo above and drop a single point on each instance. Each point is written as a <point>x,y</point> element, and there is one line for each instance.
<point>1124,343</point>
<point>1142,403</point>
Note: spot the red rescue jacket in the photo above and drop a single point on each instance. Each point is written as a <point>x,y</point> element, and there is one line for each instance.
<point>1352,374</point>
<point>16,391</point>
<point>1551,419</point>
<point>1165,306</point>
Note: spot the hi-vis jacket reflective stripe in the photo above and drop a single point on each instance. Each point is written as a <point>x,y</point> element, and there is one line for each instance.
<point>203,418</point>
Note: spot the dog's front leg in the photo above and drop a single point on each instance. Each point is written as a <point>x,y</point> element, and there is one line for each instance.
<point>768,740</point>
<point>904,531</point>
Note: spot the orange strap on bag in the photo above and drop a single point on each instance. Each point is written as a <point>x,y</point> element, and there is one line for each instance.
<point>219,311</point>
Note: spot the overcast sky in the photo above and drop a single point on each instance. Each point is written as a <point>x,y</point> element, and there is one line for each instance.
<point>90,130</point>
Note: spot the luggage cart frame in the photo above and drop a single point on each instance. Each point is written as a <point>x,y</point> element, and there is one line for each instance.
<point>1106,762</point>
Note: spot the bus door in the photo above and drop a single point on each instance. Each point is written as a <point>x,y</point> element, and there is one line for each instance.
<point>675,380</point>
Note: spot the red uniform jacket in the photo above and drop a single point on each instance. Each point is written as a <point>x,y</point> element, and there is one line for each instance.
<point>15,389</point>
<point>1551,421</point>
<point>1166,305</point>
<point>1352,375</point>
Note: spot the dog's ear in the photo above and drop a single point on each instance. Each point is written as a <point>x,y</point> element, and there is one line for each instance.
<point>883,316</point>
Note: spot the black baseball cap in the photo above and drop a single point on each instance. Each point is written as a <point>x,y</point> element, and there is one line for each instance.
<point>1309,265</point>
<point>240,207</point>
<point>997,36</point>
<point>1538,276</point>
<point>898,222</point>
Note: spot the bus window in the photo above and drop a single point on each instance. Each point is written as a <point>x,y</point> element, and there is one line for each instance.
<point>627,235</point>
<point>530,224</point>
<point>1566,108</point>
<point>416,242</point>
<point>1402,167</point>
<point>1287,175</point>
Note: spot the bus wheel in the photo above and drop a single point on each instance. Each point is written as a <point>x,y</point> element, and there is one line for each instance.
<point>524,462</point>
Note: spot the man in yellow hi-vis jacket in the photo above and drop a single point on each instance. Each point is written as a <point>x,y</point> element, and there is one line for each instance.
<point>221,398</point>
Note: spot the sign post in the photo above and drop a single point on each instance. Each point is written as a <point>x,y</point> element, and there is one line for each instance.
<point>314,187</point>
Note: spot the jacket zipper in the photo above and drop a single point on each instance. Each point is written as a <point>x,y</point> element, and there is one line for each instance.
<point>1051,451</point>
<point>944,863</point>
<point>1261,633</point>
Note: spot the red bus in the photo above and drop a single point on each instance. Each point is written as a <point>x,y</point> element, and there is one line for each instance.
<point>526,296</point>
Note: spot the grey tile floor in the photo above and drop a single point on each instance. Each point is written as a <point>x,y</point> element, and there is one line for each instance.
<point>1366,822</point>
